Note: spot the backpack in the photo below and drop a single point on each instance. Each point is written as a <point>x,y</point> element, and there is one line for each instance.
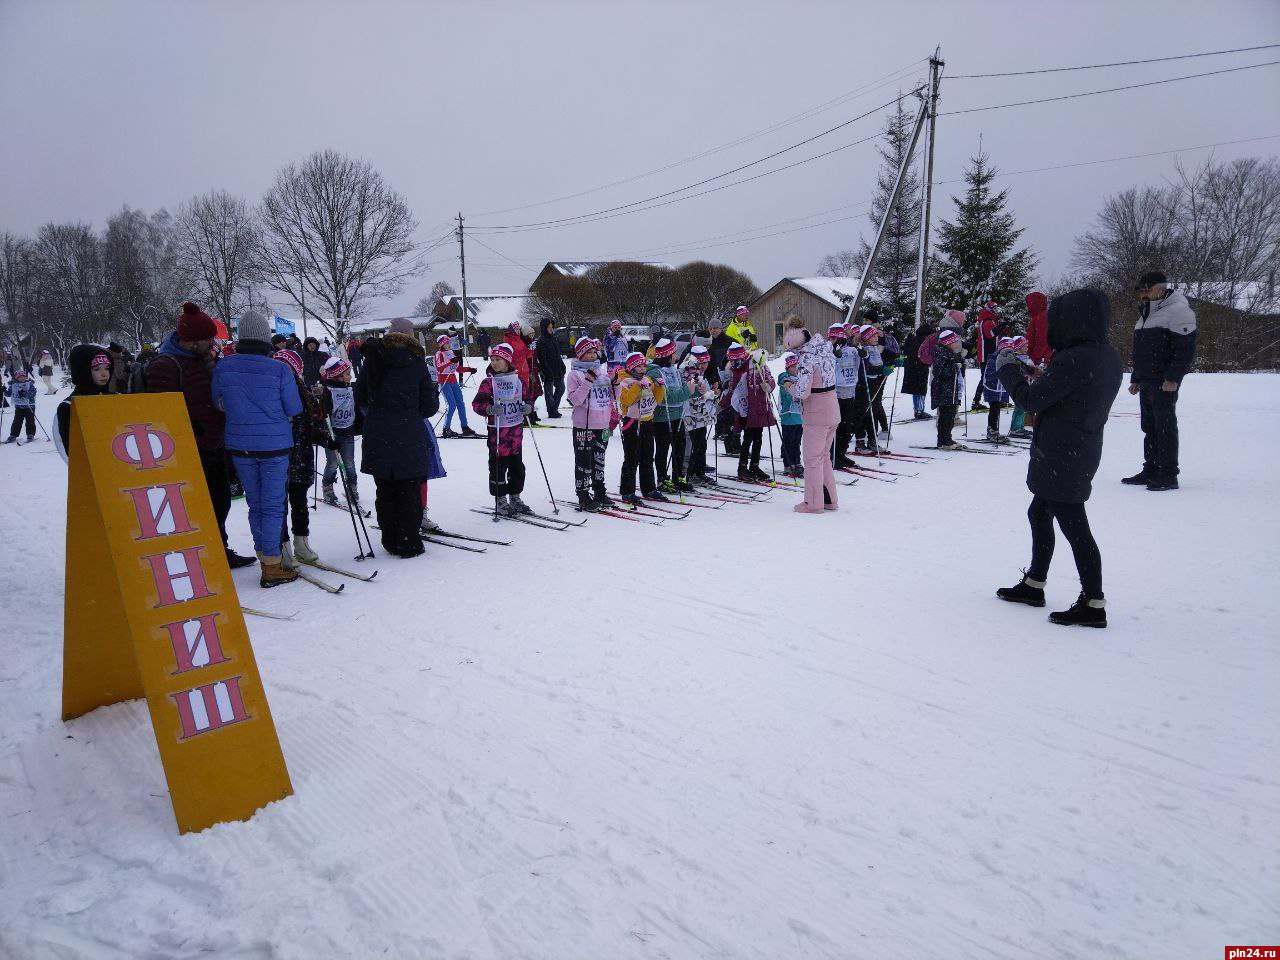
<point>138,373</point>
<point>925,352</point>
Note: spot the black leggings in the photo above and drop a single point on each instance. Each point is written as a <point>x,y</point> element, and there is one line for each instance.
<point>750,451</point>
<point>1075,527</point>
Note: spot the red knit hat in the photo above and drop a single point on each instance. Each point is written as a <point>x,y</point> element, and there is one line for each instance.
<point>194,324</point>
<point>443,340</point>
<point>837,332</point>
<point>869,333</point>
<point>636,363</point>
<point>948,337</point>
<point>503,351</point>
<point>664,348</point>
<point>291,358</point>
<point>585,345</point>
<point>737,352</point>
<point>333,368</point>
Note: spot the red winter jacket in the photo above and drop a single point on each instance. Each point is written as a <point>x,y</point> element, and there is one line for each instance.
<point>1038,327</point>
<point>525,363</point>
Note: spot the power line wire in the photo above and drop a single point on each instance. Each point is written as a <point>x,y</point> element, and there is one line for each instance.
<point>1131,156</point>
<point>894,77</point>
<point>1118,63</point>
<point>500,253</point>
<point>699,183</point>
<point>1094,93</point>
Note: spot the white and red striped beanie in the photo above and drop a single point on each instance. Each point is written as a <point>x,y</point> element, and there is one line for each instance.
<point>636,362</point>
<point>503,351</point>
<point>334,367</point>
<point>948,337</point>
<point>585,345</point>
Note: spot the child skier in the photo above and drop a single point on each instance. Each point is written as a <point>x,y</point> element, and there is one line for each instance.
<point>505,399</point>
<point>21,392</point>
<point>668,419</point>
<point>790,417</point>
<point>848,382</point>
<point>1018,423</point>
<point>448,367</point>
<point>638,398</point>
<point>750,386</point>
<point>616,348</point>
<point>590,392</point>
<point>993,390</point>
<point>946,386</point>
<point>338,404</point>
<point>699,413</point>
<point>308,430</point>
<point>90,370</point>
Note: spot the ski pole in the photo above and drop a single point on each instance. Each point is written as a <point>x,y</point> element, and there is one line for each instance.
<point>40,425</point>
<point>893,406</point>
<point>346,489</point>
<point>866,386</point>
<point>555,508</point>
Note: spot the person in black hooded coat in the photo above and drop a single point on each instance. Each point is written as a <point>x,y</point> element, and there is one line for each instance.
<point>1071,401</point>
<point>313,359</point>
<point>80,368</point>
<point>396,392</point>
<point>551,365</point>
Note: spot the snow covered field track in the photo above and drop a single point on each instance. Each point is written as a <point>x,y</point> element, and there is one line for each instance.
<point>744,734</point>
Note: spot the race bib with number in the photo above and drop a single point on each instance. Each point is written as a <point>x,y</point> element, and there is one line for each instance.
<point>344,407</point>
<point>508,398</point>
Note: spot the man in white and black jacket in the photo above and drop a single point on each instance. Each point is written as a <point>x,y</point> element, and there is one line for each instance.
<point>1164,347</point>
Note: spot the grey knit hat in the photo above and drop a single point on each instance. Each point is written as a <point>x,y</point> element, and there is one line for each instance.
<point>401,325</point>
<point>254,326</point>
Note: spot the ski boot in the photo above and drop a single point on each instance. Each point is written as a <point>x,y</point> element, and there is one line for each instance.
<point>518,505</point>
<point>667,486</point>
<point>1083,613</point>
<point>993,436</point>
<point>328,496</point>
<point>587,505</point>
<point>503,507</point>
<point>1028,591</point>
<point>468,432</point>
<point>655,495</point>
<point>302,550</point>
<point>1021,434</point>
<point>759,475</point>
<point>428,526</point>
<point>923,416</point>
<point>631,500</point>
<point>684,486</point>
<point>448,433</point>
<point>744,473</point>
<point>287,560</point>
<point>603,500</point>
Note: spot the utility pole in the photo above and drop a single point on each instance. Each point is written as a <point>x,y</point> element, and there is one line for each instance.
<point>302,292</point>
<point>462,257</point>
<point>936,63</point>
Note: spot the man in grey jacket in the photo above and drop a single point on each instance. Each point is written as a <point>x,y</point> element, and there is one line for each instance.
<point>1164,347</point>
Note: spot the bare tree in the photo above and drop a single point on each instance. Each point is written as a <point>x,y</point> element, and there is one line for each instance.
<point>17,280</point>
<point>335,234</point>
<point>142,279</point>
<point>566,301</point>
<point>216,242</point>
<point>635,293</point>
<point>69,301</point>
<point>703,292</point>
<point>439,291</point>
<point>842,263</point>
<point>1135,231</point>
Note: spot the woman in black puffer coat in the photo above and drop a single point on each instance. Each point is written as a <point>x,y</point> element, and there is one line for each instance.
<point>915,375</point>
<point>313,359</point>
<point>396,392</point>
<point>1072,401</point>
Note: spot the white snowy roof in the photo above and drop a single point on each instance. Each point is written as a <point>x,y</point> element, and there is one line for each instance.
<point>578,268</point>
<point>826,288</point>
<point>493,310</point>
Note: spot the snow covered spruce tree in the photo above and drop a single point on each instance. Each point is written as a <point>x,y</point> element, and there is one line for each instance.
<point>891,289</point>
<point>976,257</point>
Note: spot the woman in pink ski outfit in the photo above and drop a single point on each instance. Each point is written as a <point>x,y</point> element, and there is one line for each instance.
<point>815,387</point>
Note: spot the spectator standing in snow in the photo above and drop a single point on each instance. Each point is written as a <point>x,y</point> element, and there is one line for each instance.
<point>551,366</point>
<point>815,388</point>
<point>185,364</point>
<point>89,367</point>
<point>1164,347</point>
<point>915,374</point>
<point>396,392</point>
<point>259,396</point>
<point>46,371</point>
<point>1072,400</point>
<point>741,329</point>
<point>313,359</point>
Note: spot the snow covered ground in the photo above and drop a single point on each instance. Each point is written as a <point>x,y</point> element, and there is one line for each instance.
<point>748,734</point>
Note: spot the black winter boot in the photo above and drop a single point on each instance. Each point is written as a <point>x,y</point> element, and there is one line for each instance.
<point>1083,613</point>
<point>1139,479</point>
<point>1028,591</point>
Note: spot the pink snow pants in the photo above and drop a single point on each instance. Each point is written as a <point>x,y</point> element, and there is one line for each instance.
<point>821,417</point>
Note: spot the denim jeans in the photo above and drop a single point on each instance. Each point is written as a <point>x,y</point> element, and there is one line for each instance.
<point>452,393</point>
<point>347,450</point>
<point>917,402</point>
<point>264,480</point>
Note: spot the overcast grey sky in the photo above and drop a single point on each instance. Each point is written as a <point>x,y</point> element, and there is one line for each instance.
<point>480,106</point>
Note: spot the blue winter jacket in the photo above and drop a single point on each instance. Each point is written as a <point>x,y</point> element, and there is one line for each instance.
<point>260,398</point>
<point>789,411</point>
<point>22,394</point>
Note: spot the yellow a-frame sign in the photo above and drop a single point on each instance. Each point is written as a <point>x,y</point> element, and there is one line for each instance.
<point>151,610</point>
